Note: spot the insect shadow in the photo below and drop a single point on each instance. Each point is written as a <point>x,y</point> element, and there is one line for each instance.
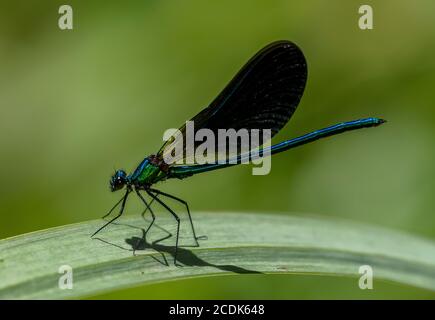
<point>185,257</point>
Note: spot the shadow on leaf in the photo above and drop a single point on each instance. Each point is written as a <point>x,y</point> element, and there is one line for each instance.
<point>185,257</point>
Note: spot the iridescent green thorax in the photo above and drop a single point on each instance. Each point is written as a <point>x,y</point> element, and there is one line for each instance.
<point>147,173</point>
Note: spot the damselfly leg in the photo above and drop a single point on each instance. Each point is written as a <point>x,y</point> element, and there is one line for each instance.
<point>124,199</point>
<point>148,207</point>
<point>158,192</point>
<point>154,196</point>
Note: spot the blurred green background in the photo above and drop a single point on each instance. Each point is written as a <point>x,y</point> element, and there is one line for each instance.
<point>77,104</point>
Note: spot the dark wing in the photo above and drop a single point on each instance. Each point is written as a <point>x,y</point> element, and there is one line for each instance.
<point>263,95</point>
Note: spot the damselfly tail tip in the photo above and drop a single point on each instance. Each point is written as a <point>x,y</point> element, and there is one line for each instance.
<point>380,121</point>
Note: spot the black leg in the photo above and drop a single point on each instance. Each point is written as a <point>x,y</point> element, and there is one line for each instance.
<point>148,206</point>
<point>158,192</point>
<point>120,213</point>
<point>161,239</point>
<point>113,208</point>
<point>174,215</point>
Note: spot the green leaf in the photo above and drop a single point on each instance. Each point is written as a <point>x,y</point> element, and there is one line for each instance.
<point>237,243</point>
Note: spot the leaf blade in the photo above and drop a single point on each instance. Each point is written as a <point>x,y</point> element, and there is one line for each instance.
<point>237,243</point>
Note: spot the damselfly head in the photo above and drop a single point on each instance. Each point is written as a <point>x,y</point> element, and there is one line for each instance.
<point>118,180</point>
